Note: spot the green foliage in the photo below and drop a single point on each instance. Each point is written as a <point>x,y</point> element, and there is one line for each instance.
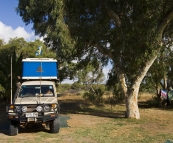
<point>18,49</point>
<point>29,48</point>
<point>92,26</point>
<point>160,72</point>
<point>2,91</point>
<point>66,70</point>
<point>94,94</point>
<point>117,93</point>
<point>48,20</point>
<point>128,33</point>
<point>63,87</point>
<point>90,72</point>
<point>5,71</point>
<point>76,85</point>
<point>2,42</point>
<point>114,86</point>
<point>89,96</point>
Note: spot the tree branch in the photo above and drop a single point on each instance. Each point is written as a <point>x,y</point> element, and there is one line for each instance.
<point>165,22</point>
<point>104,51</point>
<point>140,76</point>
<point>112,15</point>
<point>121,78</point>
<point>115,17</point>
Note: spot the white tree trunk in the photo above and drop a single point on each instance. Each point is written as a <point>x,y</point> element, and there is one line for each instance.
<point>132,110</point>
<point>131,94</point>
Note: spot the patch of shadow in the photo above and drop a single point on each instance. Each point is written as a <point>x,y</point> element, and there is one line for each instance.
<point>100,113</point>
<point>70,107</point>
<point>4,127</point>
<point>156,105</point>
<point>79,108</point>
<point>144,104</point>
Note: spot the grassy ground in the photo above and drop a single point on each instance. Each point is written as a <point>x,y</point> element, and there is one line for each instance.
<point>82,122</point>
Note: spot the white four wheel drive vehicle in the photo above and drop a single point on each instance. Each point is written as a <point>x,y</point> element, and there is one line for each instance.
<point>35,101</point>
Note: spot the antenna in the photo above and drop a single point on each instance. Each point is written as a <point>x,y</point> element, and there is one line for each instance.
<point>40,79</point>
<point>11,79</point>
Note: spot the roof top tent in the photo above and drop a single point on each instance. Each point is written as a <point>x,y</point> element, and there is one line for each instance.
<point>39,68</point>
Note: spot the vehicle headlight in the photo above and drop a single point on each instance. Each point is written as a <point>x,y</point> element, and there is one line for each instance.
<point>17,108</point>
<point>54,105</point>
<point>46,108</point>
<point>39,108</point>
<point>24,108</point>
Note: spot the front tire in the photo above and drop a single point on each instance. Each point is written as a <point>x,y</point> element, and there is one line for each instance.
<point>55,126</point>
<point>13,128</point>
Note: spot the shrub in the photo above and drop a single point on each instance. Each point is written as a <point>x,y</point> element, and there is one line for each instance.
<point>76,85</point>
<point>63,87</point>
<point>94,95</point>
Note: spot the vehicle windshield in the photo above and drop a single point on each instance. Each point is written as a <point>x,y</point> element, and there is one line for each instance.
<point>36,90</point>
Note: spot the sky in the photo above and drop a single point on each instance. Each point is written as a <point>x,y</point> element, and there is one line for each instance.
<point>11,26</point>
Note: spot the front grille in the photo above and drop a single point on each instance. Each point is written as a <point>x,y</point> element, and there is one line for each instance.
<point>31,108</point>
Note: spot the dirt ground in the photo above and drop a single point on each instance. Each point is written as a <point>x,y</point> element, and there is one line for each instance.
<point>77,123</point>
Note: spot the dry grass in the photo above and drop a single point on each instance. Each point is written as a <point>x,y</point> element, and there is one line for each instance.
<point>88,123</point>
<point>146,96</point>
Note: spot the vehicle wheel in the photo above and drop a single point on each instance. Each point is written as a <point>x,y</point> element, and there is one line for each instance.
<point>13,128</point>
<point>55,126</point>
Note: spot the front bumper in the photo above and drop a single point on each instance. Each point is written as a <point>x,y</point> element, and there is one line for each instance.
<point>39,119</point>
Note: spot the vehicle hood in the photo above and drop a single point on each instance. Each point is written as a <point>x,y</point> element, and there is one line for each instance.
<point>36,100</point>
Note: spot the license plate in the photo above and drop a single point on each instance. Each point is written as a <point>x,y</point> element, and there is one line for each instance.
<point>30,119</point>
<point>31,114</point>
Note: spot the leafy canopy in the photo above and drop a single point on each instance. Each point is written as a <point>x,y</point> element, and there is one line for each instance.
<point>18,49</point>
<point>125,32</point>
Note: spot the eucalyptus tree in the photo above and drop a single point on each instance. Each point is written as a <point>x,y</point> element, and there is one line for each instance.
<point>89,72</point>
<point>128,33</point>
<point>5,71</point>
<point>91,75</point>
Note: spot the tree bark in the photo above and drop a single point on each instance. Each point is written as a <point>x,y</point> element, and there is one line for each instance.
<point>132,110</point>
<point>131,97</point>
<point>131,93</point>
